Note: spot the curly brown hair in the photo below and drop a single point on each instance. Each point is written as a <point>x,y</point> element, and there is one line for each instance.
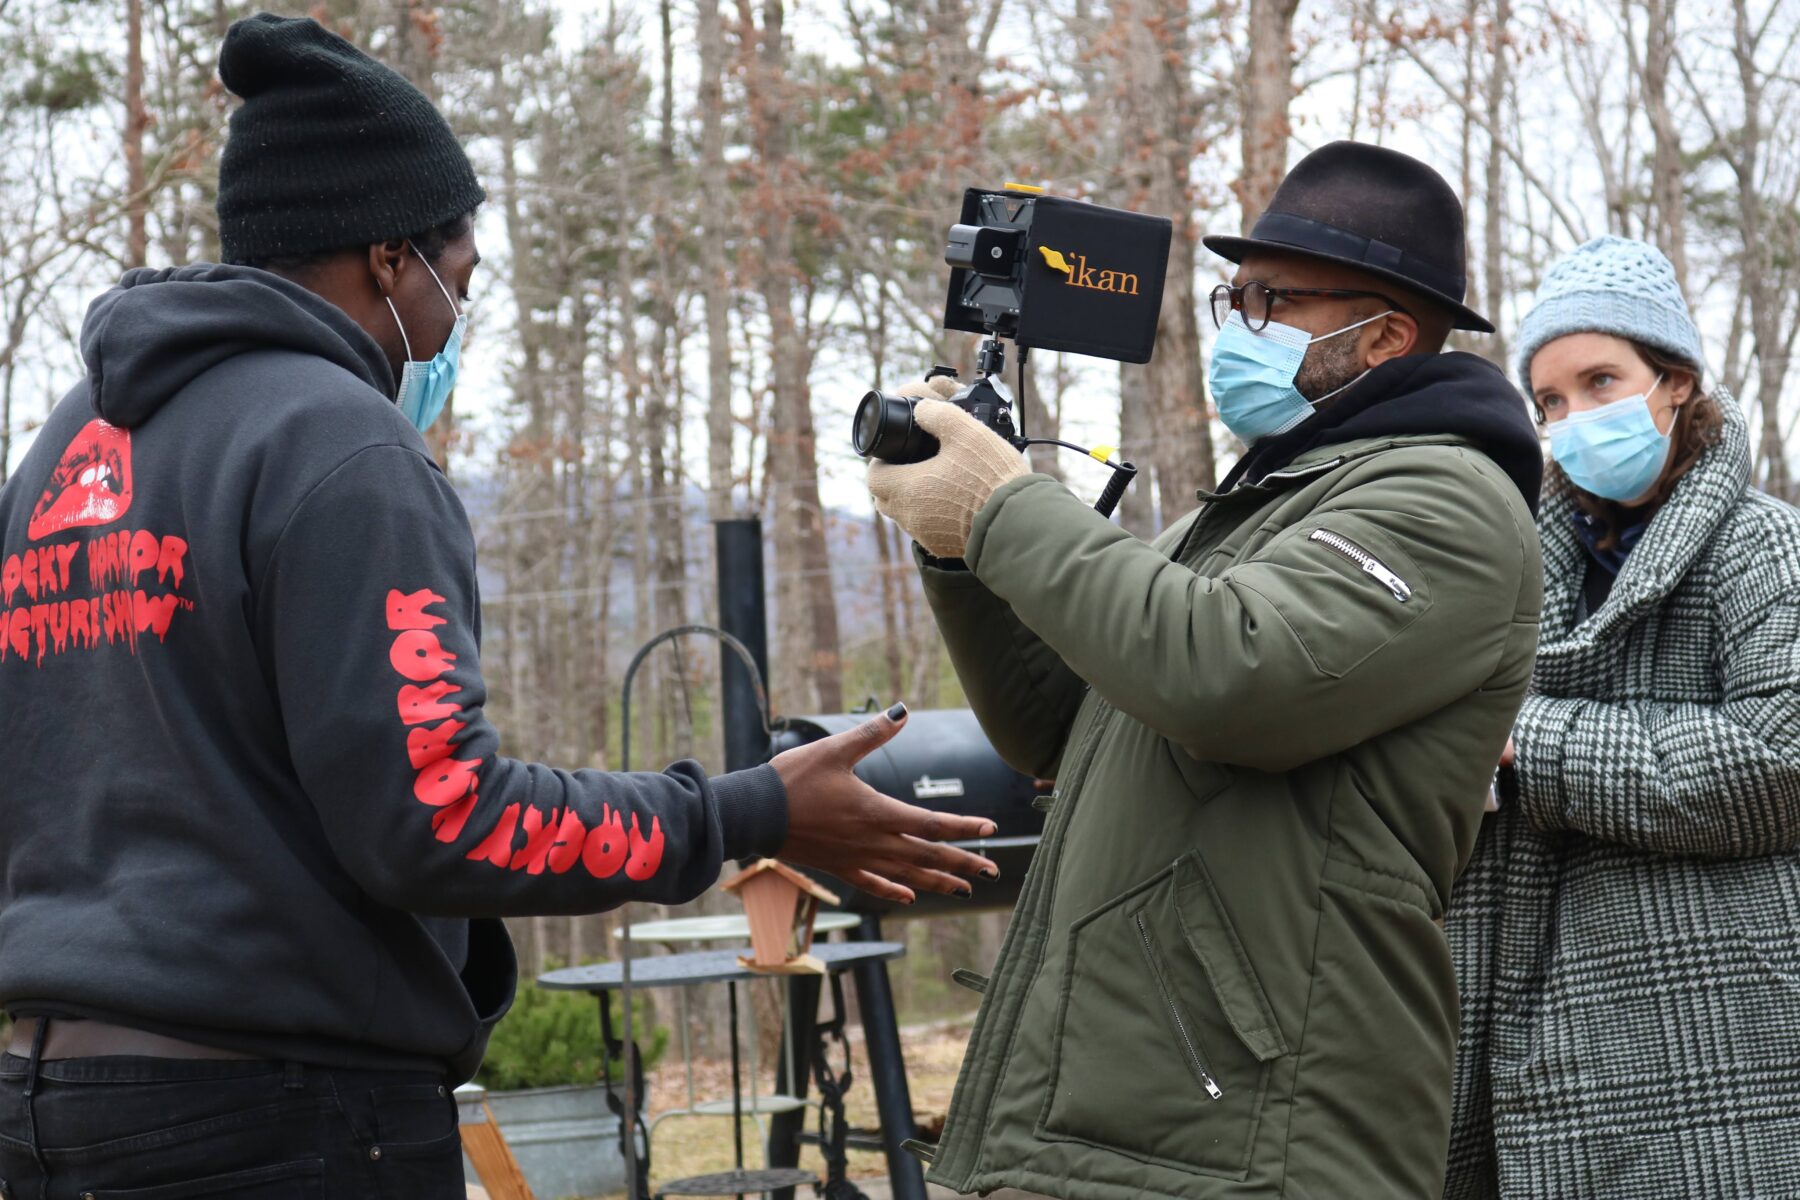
<point>1698,426</point>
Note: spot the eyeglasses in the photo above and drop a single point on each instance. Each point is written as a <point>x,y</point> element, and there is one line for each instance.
<point>1256,300</point>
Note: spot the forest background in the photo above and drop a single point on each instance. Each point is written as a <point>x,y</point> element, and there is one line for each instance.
<point>713,223</point>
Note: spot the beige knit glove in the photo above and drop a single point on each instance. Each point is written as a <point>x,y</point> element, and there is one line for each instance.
<point>936,500</point>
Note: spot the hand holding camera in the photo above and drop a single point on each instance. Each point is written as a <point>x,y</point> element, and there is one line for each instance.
<point>935,499</point>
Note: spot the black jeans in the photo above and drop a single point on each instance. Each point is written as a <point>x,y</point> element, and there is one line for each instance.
<point>167,1129</point>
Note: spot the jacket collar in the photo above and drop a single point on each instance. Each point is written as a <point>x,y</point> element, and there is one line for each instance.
<point>1322,460</point>
<point>1663,554</point>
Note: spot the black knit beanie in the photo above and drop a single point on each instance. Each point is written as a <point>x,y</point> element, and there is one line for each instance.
<point>330,148</point>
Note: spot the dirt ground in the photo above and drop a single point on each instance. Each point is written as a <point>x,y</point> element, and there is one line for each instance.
<point>698,1145</point>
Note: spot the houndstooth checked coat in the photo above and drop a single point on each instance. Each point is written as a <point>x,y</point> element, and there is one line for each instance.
<point>1627,936</point>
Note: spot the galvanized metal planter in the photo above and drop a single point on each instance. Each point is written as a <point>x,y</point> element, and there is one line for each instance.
<point>565,1140</point>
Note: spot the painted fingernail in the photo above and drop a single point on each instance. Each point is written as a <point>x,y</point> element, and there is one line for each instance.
<point>897,712</point>
<point>989,829</point>
<point>965,893</point>
<point>990,873</point>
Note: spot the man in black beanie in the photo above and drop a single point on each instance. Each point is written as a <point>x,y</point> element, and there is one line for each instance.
<point>258,833</point>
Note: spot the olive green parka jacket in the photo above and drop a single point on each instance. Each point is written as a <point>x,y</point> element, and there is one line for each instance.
<point>1271,734</point>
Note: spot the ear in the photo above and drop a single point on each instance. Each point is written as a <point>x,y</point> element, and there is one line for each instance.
<point>1681,389</point>
<point>1395,337</point>
<point>386,261</point>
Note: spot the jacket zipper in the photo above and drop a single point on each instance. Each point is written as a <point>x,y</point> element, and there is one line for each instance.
<point>1206,1080</point>
<point>1362,558</point>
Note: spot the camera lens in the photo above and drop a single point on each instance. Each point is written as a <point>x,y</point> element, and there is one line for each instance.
<point>883,428</point>
<point>865,433</point>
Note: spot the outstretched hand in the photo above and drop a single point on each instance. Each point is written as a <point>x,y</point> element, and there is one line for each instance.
<point>840,824</point>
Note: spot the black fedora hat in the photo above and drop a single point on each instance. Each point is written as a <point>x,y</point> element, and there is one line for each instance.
<point>1374,209</point>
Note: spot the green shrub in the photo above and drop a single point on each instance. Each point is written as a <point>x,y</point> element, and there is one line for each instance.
<point>551,1039</point>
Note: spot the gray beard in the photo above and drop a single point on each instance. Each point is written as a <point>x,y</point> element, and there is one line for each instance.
<point>1327,367</point>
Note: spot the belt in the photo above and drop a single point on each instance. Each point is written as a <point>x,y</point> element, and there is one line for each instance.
<point>69,1038</point>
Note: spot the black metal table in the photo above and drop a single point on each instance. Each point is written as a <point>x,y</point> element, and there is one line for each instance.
<point>721,966</point>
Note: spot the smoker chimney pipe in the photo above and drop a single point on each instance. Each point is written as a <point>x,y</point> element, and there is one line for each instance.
<point>743,614</point>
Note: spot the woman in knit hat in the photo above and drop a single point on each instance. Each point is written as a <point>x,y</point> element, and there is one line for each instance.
<point>1625,932</point>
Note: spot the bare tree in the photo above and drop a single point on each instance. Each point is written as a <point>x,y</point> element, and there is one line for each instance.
<point>1764,163</point>
<point>1668,170</point>
<point>1160,125</point>
<point>1494,221</point>
<point>137,241</point>
<point>715,274</point>
<point>1137,434</point>
<point>807,609</point>
<point>1267,90</point>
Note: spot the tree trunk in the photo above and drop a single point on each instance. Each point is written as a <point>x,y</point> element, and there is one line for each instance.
<point>137,119</point>
<point>1157,118</point>
<point>414,55</point>
<point>1046,414</point>
<point>715,273</point>
<point>1667,172</point>
<point>1494,222</point>
<point>1758,272</point>
<point>665,411</point>
<point>892,582</point>
<point>1183,436</point>
<point>1182,439</point>
<point>1137,511</point>
<point>1466,137</point>
<point>1268,89</point>
<point>414,48</point>
<point>807,617</point>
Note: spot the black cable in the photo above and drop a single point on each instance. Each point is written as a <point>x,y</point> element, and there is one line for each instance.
<point>1114,491</point>
<point>1024,353</point>
<point>1082,450</point>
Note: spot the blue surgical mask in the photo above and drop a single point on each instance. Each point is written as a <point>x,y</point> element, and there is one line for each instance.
<point>1252,376</point>
<point>425,386</point>
<point>1614,451</point>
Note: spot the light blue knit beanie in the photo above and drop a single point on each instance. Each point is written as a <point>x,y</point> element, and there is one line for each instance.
<point>1611,285</point>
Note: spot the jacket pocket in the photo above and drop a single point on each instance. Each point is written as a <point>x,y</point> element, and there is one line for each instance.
<point>1163,1035</point>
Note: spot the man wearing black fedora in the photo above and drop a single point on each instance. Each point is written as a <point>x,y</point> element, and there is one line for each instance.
<point>1271,731</point>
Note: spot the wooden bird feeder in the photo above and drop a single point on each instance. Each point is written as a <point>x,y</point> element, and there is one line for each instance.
<point>782,905</point>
